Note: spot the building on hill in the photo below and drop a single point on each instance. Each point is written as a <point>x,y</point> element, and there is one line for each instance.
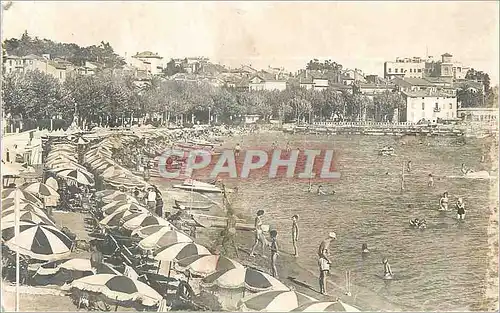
<point>313,80</point>
<point>404,67</point>
<point>267,81</point>
<point>428,104</point>
<point>371,90</point>
<point>148,61</point>
<point>59,69</point>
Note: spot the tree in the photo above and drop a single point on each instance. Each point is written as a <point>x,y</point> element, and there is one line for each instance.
<point>33,95</point>
<point>385,104</point>
<point>469,97</point>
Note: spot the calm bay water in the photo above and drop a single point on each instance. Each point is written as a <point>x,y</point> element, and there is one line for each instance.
<point>441,268</point>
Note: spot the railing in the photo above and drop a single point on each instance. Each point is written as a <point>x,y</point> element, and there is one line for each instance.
<point>363,124</point>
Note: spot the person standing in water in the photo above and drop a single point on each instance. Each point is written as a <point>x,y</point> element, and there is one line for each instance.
<point>443,202</point>
<point>237,150</point>
<point>288,147</point>
<point>408,166</point>
<point>387,269</point>
<point>259,233</point>
<point>274,252</point>
<point>320,191</point>
<point>460,209</point>
<point>324,261</point>
<point>295,234</point>
<point>430,181</point>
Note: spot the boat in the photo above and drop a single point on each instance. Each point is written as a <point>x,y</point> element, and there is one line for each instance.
<point>213,189</point>
<point>208,221</point>
<point>193,205</point>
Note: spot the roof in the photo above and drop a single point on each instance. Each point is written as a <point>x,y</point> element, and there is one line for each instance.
<point>411,81</point>
<point>33,57</point>
<point>147,54</point>
<point>426,93</point>
<point>446,55</point>
<point>376,86</point>
<point>267,77</point>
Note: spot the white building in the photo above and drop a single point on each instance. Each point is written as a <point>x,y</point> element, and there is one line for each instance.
<point>429,105</point>
<point>266,81</point>
<point>404,67</point>
<point>150,62</point>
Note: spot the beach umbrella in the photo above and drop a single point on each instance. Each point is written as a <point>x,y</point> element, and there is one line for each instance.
<point>81,141</point>
<point>40,189</point>
<point>143,232</point>
<point>61,155</point>
<point>106,192</point>
<point>119,287</point>
<point>10,217</point>
<point>8,231</point>
<point>52,182</point>
<point>250,278</point>
<point>143,219</point>
<point>119,197</point>
<point>120,206</point>
<point>180,251</point>
<point>114,219</point>
<point>163,238</point>
<point>76,265</point>
<point>79,176</point>
<point>67,165</point>
<point>9,206</point>
<point>41,242</point>
<point>113,171</point>
<point>274,301</point>
<point>324,306</point>
<point>10,193</point>
<point>206,264</point>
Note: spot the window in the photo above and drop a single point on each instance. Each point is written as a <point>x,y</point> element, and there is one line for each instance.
<point>451,106</point>
<point>411,70</point>
<point>423,105</point>
<point>402,71</point>
<point>60,74</point>
<point>436,106</point>
<point>420,70</point>
<point>395,70</point>
<point>389,70</point>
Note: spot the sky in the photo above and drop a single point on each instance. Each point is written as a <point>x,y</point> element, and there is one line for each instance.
<point>355,34</point>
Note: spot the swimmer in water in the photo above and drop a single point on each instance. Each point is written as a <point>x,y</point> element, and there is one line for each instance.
<point>295,234</point>
<point>320,191</point>
<point>443,202</point>
<point>364,248</point>
<point>387,269</point>
<point>466,170</point>
<point>460,209</point>
<point>408,166</point>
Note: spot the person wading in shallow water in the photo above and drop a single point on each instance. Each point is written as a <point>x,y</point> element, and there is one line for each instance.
<point>259,234</point>
<point>324,261</point>
<point>295,234</point>
<point>274,252</point>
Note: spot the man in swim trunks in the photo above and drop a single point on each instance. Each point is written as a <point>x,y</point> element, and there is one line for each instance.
<point>387,269</point>
<point>324,261</point>
<point>295,234</point>
<point>259,234</point>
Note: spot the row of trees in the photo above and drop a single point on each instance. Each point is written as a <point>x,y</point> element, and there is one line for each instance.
<point>107,99</point>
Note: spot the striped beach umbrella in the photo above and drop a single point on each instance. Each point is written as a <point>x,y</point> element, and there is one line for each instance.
<point>66,165</point>
<point>120,196</point>
<point>9,206</point>
<point>81,141</point>
<point>180,251</point>
<point>141,220</point>
<point>41,242</point>
<point>114,219</point>
<point>250,278</point>
<point>79,176</point>
<point>113,171</point>
<point>119,287</point>
<point>74,265</point>
<point>8,231</point>
<point>206,264</point>
<point>274,301</point>
<point>324,306</point>
<point>163,238</point>
<point>143,232</point>
<point>120,206</point>
<point>10,193</point>
<point>40,189</point>
<point>10,218</point>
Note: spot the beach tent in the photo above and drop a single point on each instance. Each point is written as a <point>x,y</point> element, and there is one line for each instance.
<point>119,287</point>
<point>274,301</point>
<point>163,238</point>
<point>41,242</point>
<point>324,306</point>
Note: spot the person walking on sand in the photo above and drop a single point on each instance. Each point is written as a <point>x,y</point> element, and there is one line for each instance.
<point>259,234</point>
<point>324,261</point>
<point>460,209</point>
<point>274,252</point>
<point>295,234</point>
<point>237,150</point>
<point>408,166</point>
<point>151,200</point>
<point>96,258</point>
